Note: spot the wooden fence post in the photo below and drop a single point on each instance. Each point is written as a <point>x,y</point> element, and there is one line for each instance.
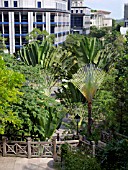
<point>93,148</point>
<point>29,147</point>
<point>4,139</point>
<point>58,136</point>
<point>80,138</point>
<point>54,148</point>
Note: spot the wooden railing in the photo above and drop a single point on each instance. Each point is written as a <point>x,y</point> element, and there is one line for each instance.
<point>31,149</point>
<point>107,137</point>
<point>26,148</point>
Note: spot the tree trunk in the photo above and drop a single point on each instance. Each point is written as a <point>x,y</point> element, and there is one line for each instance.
<point>89,132</point>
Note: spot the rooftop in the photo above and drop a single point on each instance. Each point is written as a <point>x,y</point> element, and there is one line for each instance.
<point>100,12</point>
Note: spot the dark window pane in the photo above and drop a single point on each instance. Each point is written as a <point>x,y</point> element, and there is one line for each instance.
<point>6,29</point>
<point>39,17</point>
<point>5,3</point>
<point>24,17</point>
<point>39,4</point>
<point>15,3</point>
<point>24,41</point>
<point>16,17</point>
<point>24,29</point>
<point>52,17</point>
<point>52,29</point>
<point>76,21</point>
<point>17,29</point>
<point>6,18</point>
<point>17,40</point>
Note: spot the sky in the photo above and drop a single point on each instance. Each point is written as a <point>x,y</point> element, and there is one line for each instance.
<point>116,7</point>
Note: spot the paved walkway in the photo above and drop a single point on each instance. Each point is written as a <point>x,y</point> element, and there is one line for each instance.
<point>16,163</point>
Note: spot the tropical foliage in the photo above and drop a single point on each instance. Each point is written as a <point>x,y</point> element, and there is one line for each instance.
<point>36,53</point>
<point>39,112</point>
<point>45,66</point>
<point>10,84</point>
<point>87,80</point>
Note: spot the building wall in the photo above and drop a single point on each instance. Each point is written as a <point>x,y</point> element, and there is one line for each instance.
<point>123,30</point>
<point>107,22</point>
<point>77,3</point>
<point>100,19</point>
<point>80,19</point>
<point>16,22</point>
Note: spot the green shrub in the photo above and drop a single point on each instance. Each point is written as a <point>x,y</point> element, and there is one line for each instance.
<point>115,156</point>
<point>75,160</point>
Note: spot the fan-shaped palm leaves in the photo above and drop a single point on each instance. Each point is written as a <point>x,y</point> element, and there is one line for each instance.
<point>35,53</point>
<point>94,51</point>
<point>89,50</point>
<point>88,80</point>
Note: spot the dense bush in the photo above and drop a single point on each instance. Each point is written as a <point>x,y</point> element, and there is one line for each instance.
<point>75,161</point>
<point>78,161</point>
<point>115,156</point>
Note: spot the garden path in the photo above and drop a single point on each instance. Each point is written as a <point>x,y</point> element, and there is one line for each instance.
<point>16,163</point>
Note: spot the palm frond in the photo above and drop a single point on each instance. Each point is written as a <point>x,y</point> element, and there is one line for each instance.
<point>88,80</point>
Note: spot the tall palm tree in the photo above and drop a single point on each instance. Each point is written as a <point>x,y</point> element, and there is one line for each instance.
<point>88,79</point>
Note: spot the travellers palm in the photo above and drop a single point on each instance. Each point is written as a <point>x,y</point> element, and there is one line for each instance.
<point>35,53</point>
<point>88,80</point>
<point>94,51</point>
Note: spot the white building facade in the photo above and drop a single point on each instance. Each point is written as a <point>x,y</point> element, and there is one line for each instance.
<point>100,19</point>
<point>80,17</point>
<point>20,17</point>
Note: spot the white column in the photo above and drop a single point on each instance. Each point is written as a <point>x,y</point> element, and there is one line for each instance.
<point>48,22</point>
<point>11,32</point>
<point>30,21</point>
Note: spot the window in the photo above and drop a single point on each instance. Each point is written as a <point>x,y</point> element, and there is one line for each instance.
<point>24,17</point>
<point>52,17</point>
<point>39,4</point>
<point>15,3</point>
<point>17,29</point>
<point>16,17</point>
<point>24,29</point>
<point>76,11</point>
<point>52,29</point>
<point>71,11</point>
<point>39,18</point>
<point>6,17</point>
<point>81,11</point>
<point>5,3</point>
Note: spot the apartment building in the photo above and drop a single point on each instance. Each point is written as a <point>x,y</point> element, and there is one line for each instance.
<point>126,14</point>
<point>20,17</point>
<point>100,18</point>
<point>80,17</point>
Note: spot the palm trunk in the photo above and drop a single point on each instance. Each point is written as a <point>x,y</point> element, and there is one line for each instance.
<point>89,132</point>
